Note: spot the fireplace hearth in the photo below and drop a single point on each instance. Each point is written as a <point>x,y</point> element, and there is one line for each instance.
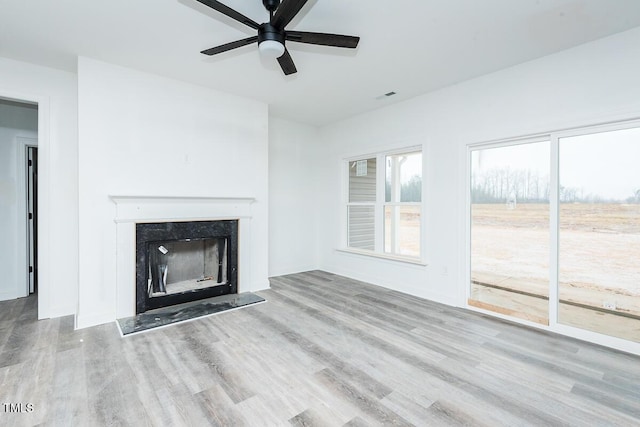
<point>178,262</point>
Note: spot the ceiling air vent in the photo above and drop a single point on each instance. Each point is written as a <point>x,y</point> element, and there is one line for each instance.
<point>386,95</point>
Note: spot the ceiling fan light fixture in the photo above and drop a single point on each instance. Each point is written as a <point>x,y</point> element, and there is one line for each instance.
<point>272,35</point>
<point>271,49</point>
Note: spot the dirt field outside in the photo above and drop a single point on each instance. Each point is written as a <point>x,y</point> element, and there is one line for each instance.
<point>599,251</point>
<point>408,231</point>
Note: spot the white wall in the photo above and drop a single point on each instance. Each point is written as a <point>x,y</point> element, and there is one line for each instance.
<point>145,135</point>
<point>127,116</point>
<point>56,93</point>
<point>292,197</point>
<point>15,121</point>
<point>593,83</point>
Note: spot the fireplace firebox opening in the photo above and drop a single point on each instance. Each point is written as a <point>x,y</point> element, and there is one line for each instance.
<point>180,262</point>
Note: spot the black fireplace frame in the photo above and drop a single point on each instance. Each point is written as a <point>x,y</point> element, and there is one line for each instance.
<point>175,231</point>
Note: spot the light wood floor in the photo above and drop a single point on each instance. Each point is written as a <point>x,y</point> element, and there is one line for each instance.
<point>324,350</point>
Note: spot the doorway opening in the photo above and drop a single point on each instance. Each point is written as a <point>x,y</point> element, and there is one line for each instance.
<point>19,122</point>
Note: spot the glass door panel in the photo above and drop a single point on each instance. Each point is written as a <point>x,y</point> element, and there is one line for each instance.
<point>599,234</point>
<point>510,230</point>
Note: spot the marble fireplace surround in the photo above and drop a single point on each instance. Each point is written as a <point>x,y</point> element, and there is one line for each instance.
<point>133,209</point>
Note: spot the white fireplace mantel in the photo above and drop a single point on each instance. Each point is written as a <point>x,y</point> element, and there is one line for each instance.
<point>143,209</point>
<point>179,208</point>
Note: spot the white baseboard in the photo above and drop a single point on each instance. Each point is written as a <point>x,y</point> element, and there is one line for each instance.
<point>363,277</point>
<point>6,296</point>
<point>258,285</point>
<point>292,270</point>
<point>86,321</point>
<point>61,311</point>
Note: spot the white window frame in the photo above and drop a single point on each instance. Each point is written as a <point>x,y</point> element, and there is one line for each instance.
<point>380,204</point>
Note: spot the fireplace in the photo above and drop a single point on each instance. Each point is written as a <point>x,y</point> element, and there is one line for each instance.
<point>179,262</point>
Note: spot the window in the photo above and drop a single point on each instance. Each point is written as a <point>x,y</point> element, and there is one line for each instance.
<point>384,204</point>
<point>403,196</point>
<point>362,203</point>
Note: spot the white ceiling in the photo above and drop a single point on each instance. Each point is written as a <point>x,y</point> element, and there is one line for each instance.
<point>407,46</point>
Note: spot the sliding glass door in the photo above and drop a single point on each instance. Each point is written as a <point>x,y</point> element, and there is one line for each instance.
<point>510,230</point>
<point>555,231</point>
<point>599,232</point>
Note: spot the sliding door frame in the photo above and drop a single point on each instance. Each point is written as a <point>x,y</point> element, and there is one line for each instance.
<point>554,138</point>
<point>470,149</point>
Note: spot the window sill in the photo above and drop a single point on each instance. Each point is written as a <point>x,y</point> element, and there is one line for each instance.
<point>388,257</point>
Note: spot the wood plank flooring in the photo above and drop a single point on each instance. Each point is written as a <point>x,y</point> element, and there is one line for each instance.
<point>324,350</point>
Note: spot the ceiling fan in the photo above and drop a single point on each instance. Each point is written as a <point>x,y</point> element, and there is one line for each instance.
<point>272,35</point>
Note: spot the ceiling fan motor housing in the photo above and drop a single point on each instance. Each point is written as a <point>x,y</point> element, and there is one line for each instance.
<point>267,31</point>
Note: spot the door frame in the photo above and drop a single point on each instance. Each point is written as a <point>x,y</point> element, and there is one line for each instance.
<point>554,326</point>
<point>32,216</point>
<point>23,143</point>
<point>44,165</point>
<point>470,148</point>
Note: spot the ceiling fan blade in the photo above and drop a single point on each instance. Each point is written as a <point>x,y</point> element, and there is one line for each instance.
<point>229,46</point>
<point>286,63</point>
<point>226,10</point>
<point>336,40</point>
<point>287,10</point>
